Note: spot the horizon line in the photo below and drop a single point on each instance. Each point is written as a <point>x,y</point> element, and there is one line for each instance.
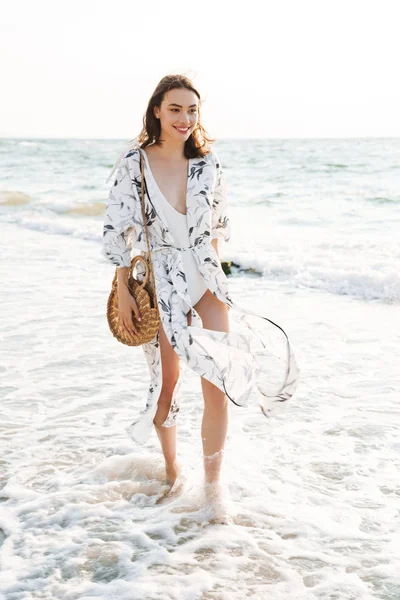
<point>118,139</point>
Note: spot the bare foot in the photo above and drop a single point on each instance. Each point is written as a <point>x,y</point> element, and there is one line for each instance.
<point>174,490</point>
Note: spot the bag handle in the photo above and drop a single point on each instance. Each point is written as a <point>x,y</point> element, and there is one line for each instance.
<point>145,228</point>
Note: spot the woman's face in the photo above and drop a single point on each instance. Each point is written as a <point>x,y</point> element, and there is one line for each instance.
<point>178,114</point>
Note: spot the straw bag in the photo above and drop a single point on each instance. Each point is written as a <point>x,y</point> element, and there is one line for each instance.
<point>144,295</point>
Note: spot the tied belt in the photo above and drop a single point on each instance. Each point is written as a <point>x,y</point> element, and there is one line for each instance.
<point>200,240</point>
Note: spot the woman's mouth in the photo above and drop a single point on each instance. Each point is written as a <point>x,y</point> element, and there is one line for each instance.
<point>182,129</point>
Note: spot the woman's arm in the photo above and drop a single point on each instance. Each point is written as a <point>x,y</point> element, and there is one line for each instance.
<point>119,232</point>
<point>122,277</point>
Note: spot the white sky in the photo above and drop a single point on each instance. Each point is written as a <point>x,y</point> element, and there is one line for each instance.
<point>280,68</point>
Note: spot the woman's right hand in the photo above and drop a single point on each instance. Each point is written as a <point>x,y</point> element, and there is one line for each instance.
<point>127,304</point>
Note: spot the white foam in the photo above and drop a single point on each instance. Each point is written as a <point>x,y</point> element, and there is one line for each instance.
<point>310,494</point>
<point>365,282</point>
<point>366,272</point>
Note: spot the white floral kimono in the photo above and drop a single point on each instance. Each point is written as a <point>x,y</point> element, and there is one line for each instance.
<point>256,356</point>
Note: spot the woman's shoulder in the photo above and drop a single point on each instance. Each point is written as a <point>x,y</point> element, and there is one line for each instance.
<point>131,160</point>
<point>133,153</point>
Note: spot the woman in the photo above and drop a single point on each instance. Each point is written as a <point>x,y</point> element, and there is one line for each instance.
<point>187,213</point>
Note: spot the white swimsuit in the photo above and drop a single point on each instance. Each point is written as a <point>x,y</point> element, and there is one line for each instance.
<point>177,225</point>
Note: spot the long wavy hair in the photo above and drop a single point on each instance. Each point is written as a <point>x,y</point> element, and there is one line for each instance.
<point>198,143</point>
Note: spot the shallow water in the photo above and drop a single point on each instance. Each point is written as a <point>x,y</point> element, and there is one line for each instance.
<point>312,493</point>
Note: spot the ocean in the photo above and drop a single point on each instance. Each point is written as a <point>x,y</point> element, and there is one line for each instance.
<point>313,492</point>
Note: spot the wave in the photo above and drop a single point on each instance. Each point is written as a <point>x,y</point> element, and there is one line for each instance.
<point>92,209</point>
<point>29,143</point>
<point>373,285</point>
<point>383,200</point>
<point>88,209</point>
<point>381,282</point>
<point>69,226</point>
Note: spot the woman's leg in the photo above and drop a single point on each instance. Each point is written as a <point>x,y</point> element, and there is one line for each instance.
<point>214,315</point>
<point>167,435</point>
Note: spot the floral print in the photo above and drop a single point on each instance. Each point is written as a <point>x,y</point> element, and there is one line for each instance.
<point>256,356</point>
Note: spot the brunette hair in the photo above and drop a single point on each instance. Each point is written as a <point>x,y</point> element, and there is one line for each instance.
<point>196,146</point>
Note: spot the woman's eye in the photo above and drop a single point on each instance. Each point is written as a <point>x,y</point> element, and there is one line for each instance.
<point>194,110</point>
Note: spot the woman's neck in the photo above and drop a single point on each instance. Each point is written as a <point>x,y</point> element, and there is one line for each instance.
<point>170,149</point>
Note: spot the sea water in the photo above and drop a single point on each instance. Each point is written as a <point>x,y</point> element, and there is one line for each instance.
<point>313,493</point>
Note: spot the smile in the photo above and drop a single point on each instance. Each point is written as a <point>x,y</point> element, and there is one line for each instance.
<point>182,129</point>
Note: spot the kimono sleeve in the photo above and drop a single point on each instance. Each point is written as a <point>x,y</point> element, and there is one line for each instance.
<point>220,221</point>
<point>120,231</point>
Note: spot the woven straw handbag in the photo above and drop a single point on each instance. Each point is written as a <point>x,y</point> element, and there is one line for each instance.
<point>144,293</point>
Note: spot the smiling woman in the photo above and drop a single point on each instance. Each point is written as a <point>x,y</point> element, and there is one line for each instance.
<point>186,211</point>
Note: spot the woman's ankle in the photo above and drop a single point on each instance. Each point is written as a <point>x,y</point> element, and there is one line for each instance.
<point>212,466</point>
<point>171,464</point>
<point>172,470</point>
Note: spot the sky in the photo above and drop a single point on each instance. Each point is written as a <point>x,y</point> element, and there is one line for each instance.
<point>264,69</point>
